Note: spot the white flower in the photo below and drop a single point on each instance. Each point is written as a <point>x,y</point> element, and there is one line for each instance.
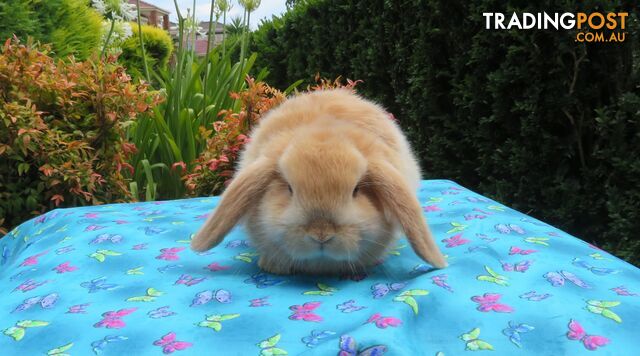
<point>115,9</point>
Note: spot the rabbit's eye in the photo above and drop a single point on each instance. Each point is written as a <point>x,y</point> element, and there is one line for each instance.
<point>290,189</point>
<point>356,190</point>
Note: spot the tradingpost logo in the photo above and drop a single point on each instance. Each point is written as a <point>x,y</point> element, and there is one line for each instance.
<point>591,27</point>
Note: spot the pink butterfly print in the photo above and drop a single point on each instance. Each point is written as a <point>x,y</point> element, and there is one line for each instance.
<point>431,208</point>
<point>33,260</point>
<point>121,222</point>
<point>259,302</point>
<point>169,254</point>
<point>591,342</point>
<point>94,227</point>
<point>169,343</point>
<point>383,322</point>
<point>455,240</point>
<point>140,247</point>
<point>189,281</point>
<point>518,251</point>
<point>91,215</point>
<point>441,281</point>
<point>305,312</point>
<point>522,266</point>
<point>215,267</point>
<point>489,301</point>
<point>64,267</point>
<point>28,285</point>
<point>202,217</point>
<point>623,291</point>
<point>112,319</point>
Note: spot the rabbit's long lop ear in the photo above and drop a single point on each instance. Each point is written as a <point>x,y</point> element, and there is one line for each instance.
<point>246,187</point>
<point>400,202</point>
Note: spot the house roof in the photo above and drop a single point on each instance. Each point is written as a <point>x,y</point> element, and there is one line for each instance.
<point>146,5</point>
<point>205,26</point>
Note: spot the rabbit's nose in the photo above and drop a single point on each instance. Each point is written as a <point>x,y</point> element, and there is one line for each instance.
<point>322,238</point>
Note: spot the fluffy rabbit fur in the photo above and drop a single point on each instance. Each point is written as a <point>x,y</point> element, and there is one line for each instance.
<point>325,186</point>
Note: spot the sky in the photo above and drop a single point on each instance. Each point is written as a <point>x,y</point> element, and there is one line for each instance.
<point>266,10</point>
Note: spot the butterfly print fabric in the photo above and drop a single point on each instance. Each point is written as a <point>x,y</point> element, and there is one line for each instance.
<point>120,279</point>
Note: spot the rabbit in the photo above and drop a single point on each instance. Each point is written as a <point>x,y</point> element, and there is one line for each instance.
<point>325,186</point>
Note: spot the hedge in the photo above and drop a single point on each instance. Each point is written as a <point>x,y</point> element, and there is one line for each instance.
<point>534,119</point>
<point>158,48</point>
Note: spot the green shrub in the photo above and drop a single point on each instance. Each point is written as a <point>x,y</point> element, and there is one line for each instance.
<point>532,118</point>
<point>71,26</point>
<point>61,132</point>
<point>158,47</point>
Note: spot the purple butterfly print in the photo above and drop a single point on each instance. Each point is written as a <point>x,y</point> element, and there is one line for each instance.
<point>349,306</point>
<point>106,237</point>
<point>46,302</point>
<point>379,290</point>
<point>65,249</point>
<point>489,302</point>
<point>98,284</point>
<point>600,271</point>
<point>99,345</point>
<point>472,216</point>
<point>431,208</point>
<point>423,268</point>
<point>150,230</point>
<point>514,330</point>
<point>28,285</point>
<point>263,280</point>
<point>33,260</point>
<point>486,238</point>
<point>623,291</point>
<point>121,222</point>
<point>170,345</point>
<point>202,216</point>
<point>78,308</point>
<point>471,249</point>
<point>349,347</point>
<point>64,268</point>
<point>204,297</point>
<point>166,268</point>
<point>90,215</point>
<point>6,253</point>
<point>93,227</point>
<point>140,246</point>
<point>237,244</point>
<point>534,297</point>
<point>151,212</point>
<point>161,312</point>
<point>441,281</point>
<point>477,200</point>
<point>188,280</point>
<point>557,279</point>
<point>259,302</point>
<point>522,266</point>
<point>316,337</point>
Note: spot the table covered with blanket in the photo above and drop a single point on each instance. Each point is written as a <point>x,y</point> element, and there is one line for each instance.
<point>120,279</point>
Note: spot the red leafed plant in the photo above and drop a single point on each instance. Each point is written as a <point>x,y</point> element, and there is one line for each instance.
<point>62,131</point>
<point>215,167</point>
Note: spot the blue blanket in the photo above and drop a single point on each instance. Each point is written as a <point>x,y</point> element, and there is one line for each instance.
<point>120,279</point>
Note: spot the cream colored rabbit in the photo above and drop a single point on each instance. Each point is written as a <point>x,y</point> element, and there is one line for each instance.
<point>326,185</point>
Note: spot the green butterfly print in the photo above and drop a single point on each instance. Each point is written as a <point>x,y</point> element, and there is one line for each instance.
<point>246,256</point>
<point>101,255</point>
<point>17,332</point>
<point>63,229</point>
<point>184,241</point>
<point>457,227</point>
<point>268,346</point>
<point>135,271</point>
<point>597,256</point>
<point>396,249</point>
<point>493,277</point>
<point>473,343</point>
<point>408,298</point>
<point>323,289</point>
<point>537,240</point>
<point>496,208</point>
<point>215,321</point>
<point>60,351</point>
<point>602,308</point>
<point>434,200</point>
<point>151,296</point>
